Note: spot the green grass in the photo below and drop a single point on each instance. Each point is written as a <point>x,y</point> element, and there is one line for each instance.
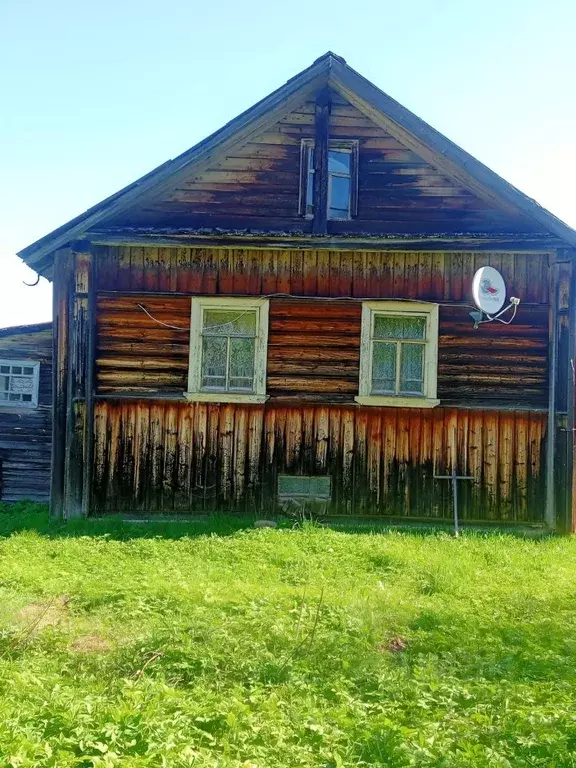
<point>214,644</point>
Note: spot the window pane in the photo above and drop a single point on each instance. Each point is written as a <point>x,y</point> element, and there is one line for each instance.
<point>339,196</point>
<point>388,327</point>
<point>14,397</point>
<point>384,368</point>
<point>214,353</point>
<point>338,161</point>
<point>241,364</point>
<point>21,384</point>
<point>28,371</point>
<point>27,398</point>
<point>4,395</point>
<point>4,383</point>
<point>412,368</point>
<point>236,322</point>
<point>397,327</point>
<point>16,369</point>
<point>414,328</point>
<point>4,369</point>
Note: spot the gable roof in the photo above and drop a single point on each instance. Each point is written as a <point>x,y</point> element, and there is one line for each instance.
<point>14,330</point>
<point>333,71</point>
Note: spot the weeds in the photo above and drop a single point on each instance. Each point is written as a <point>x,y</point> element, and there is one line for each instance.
<point>214,644</point>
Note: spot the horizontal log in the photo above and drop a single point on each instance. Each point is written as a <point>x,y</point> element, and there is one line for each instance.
<point>312,339</point>
<point>143,363</point>
<point>140,347</point>
<point>127,377</point>
<point>314,353</point>
<point>287,309</point>
<point>293,383</point>
<point>329,325</point>
<point>335,369</point>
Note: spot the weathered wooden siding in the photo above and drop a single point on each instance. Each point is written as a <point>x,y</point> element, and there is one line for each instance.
<point>26,433</point>
<point>156,456</point>
<point>257,185</point>
<point>314,346</point>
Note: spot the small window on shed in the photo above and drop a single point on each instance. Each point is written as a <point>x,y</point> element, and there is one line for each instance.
<point>303,488</point>
<point>19,383</point>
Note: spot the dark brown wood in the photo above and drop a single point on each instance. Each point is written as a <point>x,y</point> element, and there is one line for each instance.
<point>26,433</point>
<point>78,433</point>
<point>321,139</point>
<point>381,461</point>
<point>63,275</point>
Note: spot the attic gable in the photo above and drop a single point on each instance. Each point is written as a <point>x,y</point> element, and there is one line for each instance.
<point>188,184</point>
<point>257,186</point>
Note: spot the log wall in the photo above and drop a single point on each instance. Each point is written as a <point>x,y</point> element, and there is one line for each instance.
<point>26,433</point>
<point>314,345</point>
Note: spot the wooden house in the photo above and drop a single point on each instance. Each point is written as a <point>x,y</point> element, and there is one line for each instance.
<point>281,313</point>
<point>25,412</point>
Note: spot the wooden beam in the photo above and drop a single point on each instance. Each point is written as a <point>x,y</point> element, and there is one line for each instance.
<point>78,431</point>
<point>322,136</point>
<point>563,396</point>
<point>266,241</point>
<point>60,313</point>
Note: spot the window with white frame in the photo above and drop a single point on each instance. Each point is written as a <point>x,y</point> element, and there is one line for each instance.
<point>399,354</point>
<point>228,346</point>
<point>19,383</point>
<point>342,179</point>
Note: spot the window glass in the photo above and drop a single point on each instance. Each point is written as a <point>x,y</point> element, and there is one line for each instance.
<point>228,349</point>
<point>18,383</point>
<point>340,181</point>
<point>338,161</point>
<point>230,322</point>
<point>339,195</point>
<point>214,357</point>
<point>412,368</point>
<point>397,357</point>
<point>241,369</point>
<point>384,368</point>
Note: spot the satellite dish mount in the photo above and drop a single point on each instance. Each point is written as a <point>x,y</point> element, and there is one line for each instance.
<point>489,294</point>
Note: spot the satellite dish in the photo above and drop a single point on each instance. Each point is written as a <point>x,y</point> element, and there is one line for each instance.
<point>489,290</point>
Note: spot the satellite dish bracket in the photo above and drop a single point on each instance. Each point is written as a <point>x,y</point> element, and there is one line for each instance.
<point>478,315</point>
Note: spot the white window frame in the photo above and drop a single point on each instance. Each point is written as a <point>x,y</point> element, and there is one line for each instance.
<point>399,309</point>
<point>35,380</point>
<point>195,392</point>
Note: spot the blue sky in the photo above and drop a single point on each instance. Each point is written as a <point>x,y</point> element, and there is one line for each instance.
<point>94,94</point>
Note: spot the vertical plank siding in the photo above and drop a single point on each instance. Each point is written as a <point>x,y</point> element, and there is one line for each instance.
<point>26,433</point>
<point>181,457</point>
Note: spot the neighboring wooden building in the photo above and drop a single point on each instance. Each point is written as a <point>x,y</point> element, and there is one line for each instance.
<point>283,311</point>
<point>25,412</point>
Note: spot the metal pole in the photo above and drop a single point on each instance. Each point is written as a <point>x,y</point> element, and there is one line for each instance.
<point>455,500</point>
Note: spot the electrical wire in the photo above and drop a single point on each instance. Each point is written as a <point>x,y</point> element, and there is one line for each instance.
<point>311,298</point>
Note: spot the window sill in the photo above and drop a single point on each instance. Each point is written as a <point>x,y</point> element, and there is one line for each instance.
<point>397,402</point>
<point>224,397</point>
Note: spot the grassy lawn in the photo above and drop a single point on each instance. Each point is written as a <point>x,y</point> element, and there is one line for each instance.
<point>188,645</point>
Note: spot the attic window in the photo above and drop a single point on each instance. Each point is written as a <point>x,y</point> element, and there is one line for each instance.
<point>342,179</point>
<point>19,383</point>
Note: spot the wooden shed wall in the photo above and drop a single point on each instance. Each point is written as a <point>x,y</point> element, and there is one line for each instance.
<point>26,433</point>
<point>157,456</point>
<point>314,346</point>
<point>257,185</point>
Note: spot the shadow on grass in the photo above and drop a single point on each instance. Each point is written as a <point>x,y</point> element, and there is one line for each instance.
<point>29,516</point>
